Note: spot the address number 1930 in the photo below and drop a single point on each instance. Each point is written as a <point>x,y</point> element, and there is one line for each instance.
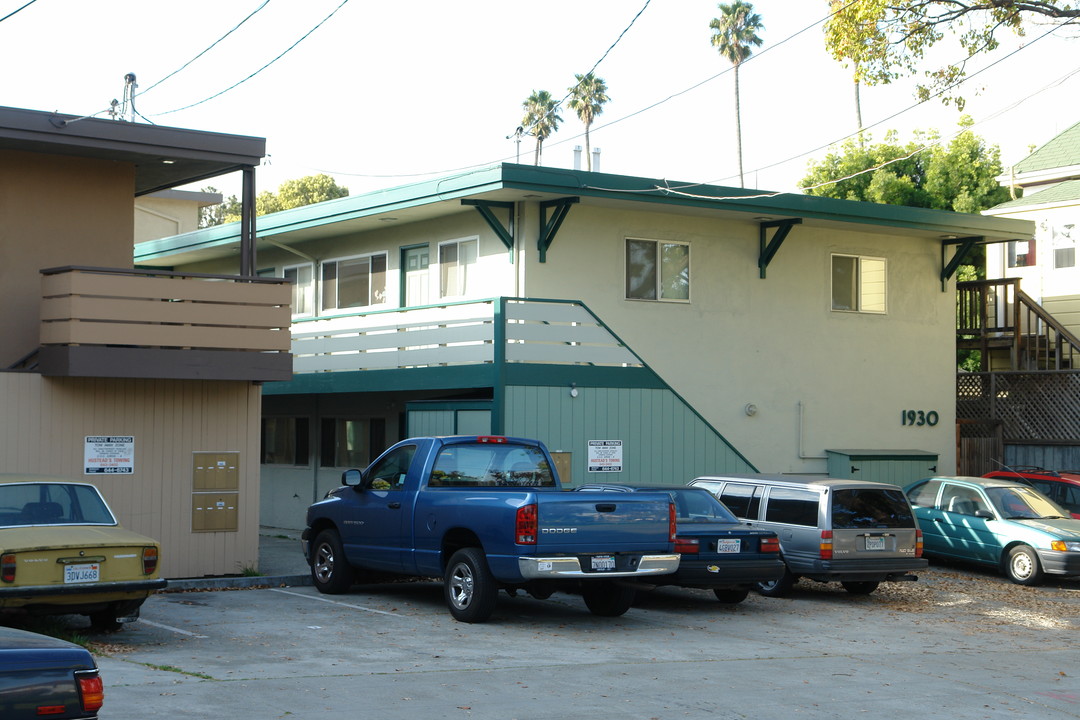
<point>919,417</point>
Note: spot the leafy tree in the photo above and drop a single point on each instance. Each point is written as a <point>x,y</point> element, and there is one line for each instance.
<point>886,39</point>
<point>587,99</point>
<point>291,194</point>
<point>541,119</point>
<point>734,37</point>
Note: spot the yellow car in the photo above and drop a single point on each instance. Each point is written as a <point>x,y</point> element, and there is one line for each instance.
<point>63,552</point>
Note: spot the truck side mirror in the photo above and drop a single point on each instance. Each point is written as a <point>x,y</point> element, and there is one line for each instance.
<point>352,478</point>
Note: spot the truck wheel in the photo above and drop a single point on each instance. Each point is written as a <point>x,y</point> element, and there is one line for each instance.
<point>730,596</point>
<point>864,587</point>
<point>779,587</point>
<point>330,571</point>
<point>469,587</point>
<point>607,599</point>
<point>1022,566</point>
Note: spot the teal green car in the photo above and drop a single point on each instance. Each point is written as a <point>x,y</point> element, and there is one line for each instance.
<point>997,523</point>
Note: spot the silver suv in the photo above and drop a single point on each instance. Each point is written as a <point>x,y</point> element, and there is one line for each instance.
<point>853,532</point>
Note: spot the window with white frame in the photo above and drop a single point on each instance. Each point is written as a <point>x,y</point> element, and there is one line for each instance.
<point>302,279</point>
<point>1021,253</point>
<point>1064,246</point>
<point>457,261</point>
<point>354,282</point>
<point>858,284</point>
<point>657,270</point>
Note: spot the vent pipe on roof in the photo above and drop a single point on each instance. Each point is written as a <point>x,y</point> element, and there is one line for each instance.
<point>577,157</point>
<point>596,160</point>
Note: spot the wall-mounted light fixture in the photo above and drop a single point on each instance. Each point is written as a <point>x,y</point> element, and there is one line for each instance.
<point>573,390</point>
<point>750,409</point>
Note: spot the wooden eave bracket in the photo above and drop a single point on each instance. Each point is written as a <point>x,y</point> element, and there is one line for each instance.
<point>767,248</point>
<point>506,234</point>
<point>948,268</point>
<point>549,229</point>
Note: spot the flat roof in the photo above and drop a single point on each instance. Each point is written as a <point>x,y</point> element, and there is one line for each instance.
<point>508,182</point>
<point>164,157</point>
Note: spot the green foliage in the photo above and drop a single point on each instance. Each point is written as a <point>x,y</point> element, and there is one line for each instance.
<point>923,173</point>
<point>735,31</point>
<point>887,39</point>
<point>290,194</point>
<point>587,98</point>
<point>541,118</point>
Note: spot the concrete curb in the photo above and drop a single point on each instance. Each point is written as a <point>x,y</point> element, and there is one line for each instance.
<point>237,583</point>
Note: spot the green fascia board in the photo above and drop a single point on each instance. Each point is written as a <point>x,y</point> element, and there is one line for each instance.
<point>1063,192</point>
<point>584,376</point>
<point>885,454</point>
<point>458,377</point>
<point>1062,150</point>
<point>451,189</point>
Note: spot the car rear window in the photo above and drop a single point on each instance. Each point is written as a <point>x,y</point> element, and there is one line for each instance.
<point>52,504</point>
<point>793,507</point>
<point>491,465</point>
<point>871,508</point>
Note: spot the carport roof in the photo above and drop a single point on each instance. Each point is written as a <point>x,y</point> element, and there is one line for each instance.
<point>164,157</point>
<point>512,183</point>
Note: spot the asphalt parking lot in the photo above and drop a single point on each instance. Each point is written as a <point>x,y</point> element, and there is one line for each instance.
<point>957,644</point>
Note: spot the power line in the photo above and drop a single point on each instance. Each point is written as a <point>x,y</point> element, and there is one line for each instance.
<point>17,10</point>
<point>241,82</point>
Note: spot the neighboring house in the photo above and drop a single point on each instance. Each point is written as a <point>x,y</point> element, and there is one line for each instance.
<point>1047,185</point>
<point>170,212</point>
<point>694,329</point>
<point>145,383</point>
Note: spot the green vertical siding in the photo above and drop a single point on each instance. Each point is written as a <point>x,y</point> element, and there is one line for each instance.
<point>897,467</point>
<point>422,423</point>
<point>664,440</point>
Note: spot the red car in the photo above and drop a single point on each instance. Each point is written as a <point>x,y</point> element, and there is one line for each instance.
<point>1061,487</point>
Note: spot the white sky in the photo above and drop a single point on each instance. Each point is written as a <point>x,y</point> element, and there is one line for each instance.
<point>388,93</point>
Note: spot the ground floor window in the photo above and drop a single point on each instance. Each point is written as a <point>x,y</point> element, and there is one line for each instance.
<point>858,284</point>
<point>351,442</point>
<point>1021,253</point>
<point>285,441</point>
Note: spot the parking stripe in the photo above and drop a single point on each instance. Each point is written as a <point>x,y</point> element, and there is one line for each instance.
<point>144,621</point>
<point>335,602</point>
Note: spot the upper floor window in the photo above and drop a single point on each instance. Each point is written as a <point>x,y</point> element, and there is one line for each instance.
<point>1021,253</point>
<point>858,283</point>
<point>354,282</point>
<point>457,261</point>
<point>1064,257</point>
<point>302,279</point>
<point>657,270</point>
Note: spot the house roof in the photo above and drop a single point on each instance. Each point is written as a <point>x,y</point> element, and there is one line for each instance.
<point>1062,151</point>
<point>511,183</point>
<point>164,157</point>
<point>1067,192</point>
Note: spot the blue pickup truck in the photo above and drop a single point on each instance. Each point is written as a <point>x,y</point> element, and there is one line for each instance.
<point>486,513</point>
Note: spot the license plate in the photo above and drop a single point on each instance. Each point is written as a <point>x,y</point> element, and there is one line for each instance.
<point>603,562</point>
<point>875,542</point>
<point>82,573</point>
<point>732,545</point>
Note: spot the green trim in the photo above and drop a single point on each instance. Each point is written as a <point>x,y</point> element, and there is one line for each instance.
<point>767,251</point>
<point>505,234</point>
<point>542,375</point>
<point>457,377</point>
<point>401,270</point>
<point>447,405</point>
<point>950,267</point>
<point>498,381</point>
<point>548,230</point>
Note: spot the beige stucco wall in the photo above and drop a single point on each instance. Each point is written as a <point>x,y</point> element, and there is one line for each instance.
<point>158,217</point>
<point>55,211</point>
<point>44,423</point>
<point>838,380</point>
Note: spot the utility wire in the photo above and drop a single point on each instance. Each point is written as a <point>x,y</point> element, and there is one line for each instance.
<point>283,53</point>
<point>17,10</point>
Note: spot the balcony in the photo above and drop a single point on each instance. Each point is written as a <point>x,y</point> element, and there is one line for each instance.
<point>106,322</point>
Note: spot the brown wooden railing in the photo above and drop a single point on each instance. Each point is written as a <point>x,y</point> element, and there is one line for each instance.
<point>998,318</point>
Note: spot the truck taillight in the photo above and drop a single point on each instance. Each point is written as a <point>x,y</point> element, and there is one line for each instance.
<point>918,543</point>
<point>769,545</point>
<point>687,546</point>
<point>149,560</point>
<point>671,522</point>
<point>825,551</point>
<point>7,567</point>
<point>91,690</point>
<point>490,439</point>
<point>525,527</point>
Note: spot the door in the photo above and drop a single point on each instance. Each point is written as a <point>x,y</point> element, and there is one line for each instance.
<point>376,526</point>
<point>965,533</point>
<point>414,276</point>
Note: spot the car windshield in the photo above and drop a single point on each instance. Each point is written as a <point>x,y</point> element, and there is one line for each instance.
<point>871,508</point>
<point>694,505</point>
<point>1022,503</point>
<point>52,504</point>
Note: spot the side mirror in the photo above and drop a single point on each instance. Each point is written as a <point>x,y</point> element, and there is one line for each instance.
<point>985,514</point>
<point>352,478</point>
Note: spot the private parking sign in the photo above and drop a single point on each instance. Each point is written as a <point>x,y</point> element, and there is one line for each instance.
<point>109,455</point>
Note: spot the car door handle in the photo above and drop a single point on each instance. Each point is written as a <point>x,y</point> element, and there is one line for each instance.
<point>938,520</point>
<point>394,505</point>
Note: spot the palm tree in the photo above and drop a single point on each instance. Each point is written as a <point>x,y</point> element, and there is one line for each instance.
<point>734,32</point>
<point>587,98</point>
<point>541,119</point>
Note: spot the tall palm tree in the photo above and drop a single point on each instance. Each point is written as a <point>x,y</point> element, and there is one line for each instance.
<point>541,119</point>
<point>734,32</point>
<point>587,99</point>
